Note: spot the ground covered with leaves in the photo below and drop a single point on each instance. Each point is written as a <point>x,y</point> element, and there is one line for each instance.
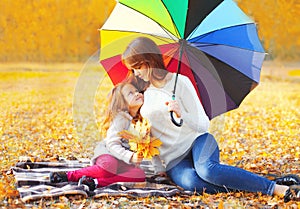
<point>50,111</point>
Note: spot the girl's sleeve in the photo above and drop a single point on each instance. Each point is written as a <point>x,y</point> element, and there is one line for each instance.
<point>113,140</point>
<point>192,111</point>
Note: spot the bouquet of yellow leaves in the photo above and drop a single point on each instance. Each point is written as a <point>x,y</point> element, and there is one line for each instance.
<point>141,141</point>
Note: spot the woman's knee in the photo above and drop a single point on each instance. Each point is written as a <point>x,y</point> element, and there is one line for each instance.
<point>206,143</point>
<point>205,149</point>
<point>205,155</point>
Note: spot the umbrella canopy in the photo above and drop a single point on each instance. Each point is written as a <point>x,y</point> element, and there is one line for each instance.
<point>214,42</point>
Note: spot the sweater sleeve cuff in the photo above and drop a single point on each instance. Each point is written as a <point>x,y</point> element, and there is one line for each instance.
<point>127,157</point>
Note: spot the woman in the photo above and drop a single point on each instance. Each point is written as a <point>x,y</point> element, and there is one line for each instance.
<point>190,153</point>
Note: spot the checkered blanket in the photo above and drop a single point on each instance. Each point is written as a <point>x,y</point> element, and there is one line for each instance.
<point>32,180</point>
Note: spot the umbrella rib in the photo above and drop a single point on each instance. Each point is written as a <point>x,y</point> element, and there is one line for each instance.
<point>215,44</point>
<point>217,29</point>
<point>163,28</point>
<point>207,34</point>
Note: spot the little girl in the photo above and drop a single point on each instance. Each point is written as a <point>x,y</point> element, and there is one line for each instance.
<point>113,161</point>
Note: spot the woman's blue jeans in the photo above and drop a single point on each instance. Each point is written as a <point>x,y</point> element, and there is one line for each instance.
<point>201,171</point>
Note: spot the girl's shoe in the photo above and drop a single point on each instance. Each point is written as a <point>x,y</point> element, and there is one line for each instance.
<point>293,193</point>
<point>58,177</point>
<point>88,183</point>
<point>288,180</point>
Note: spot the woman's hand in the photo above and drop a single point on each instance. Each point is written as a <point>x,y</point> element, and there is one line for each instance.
<point>174,106</point>
<point>136,158</point>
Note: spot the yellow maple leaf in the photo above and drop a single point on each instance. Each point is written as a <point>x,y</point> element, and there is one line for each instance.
<point>142,142</point>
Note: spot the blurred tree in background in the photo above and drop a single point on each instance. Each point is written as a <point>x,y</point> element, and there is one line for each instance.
<point>278,25</point>
<point>51,30</point>
<point>67,31</point>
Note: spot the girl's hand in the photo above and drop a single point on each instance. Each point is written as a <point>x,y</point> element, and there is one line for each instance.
<point>136,158</point>
<point>174,106</point>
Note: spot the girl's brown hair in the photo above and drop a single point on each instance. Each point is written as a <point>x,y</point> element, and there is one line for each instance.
<point>141,51</point>
<point>117,103</point>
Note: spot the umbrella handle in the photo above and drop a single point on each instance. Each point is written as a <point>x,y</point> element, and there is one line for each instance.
<point>174,121</point>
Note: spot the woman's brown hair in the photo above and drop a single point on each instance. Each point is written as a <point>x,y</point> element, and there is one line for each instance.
<point>141,51</point>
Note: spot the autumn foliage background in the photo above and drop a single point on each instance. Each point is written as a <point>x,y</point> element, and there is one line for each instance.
<point>56,31</point>
<point>48,83</point>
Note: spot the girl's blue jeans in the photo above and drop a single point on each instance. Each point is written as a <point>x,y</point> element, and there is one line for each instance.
<point>201,171</point>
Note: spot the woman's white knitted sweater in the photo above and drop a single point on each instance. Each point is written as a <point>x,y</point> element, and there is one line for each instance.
<point>176,140</point>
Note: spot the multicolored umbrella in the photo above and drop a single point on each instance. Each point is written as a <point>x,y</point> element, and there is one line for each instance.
<point>212,41</point>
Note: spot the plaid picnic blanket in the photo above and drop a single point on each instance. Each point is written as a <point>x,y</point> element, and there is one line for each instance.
<point>32,181</point>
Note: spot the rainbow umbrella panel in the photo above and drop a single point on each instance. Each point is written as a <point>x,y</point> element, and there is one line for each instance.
<point>213,41</point>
